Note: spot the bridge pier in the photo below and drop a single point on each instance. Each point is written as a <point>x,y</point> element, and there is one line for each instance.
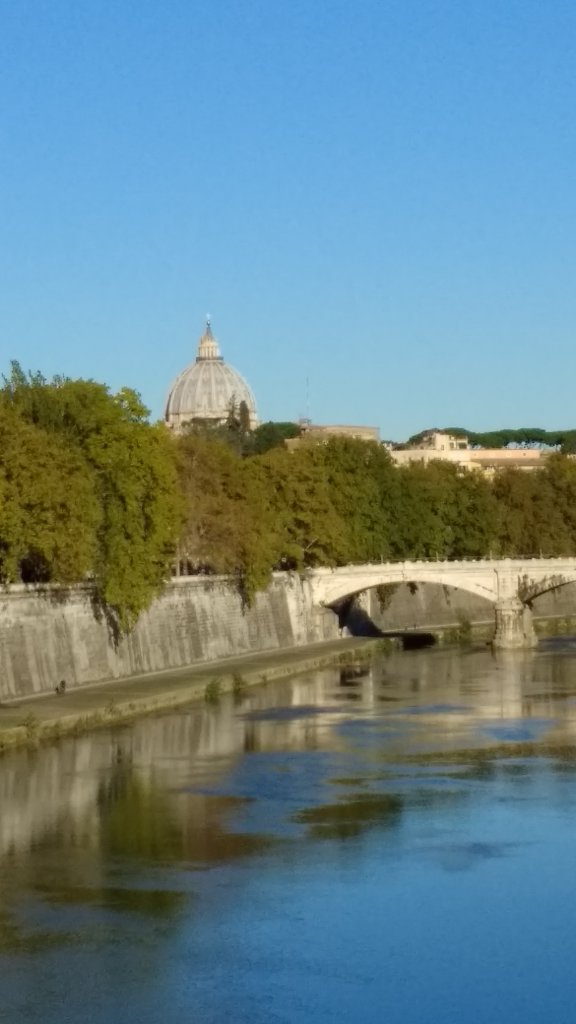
<point>514,628</point>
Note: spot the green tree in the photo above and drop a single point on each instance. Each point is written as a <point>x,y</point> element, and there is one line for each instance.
<point>558,481</point>
<point>445,512</point>
<point>532,520</point>
<point>271,435</point>
<point>133,468</point>
<point>475,524</point>
<point>311,531</point>
<point>425,510</point>
<point>229,526</point>
<point>567,442</point>
<point>360,479</point>
<point>50,515</point>
<point>243,418</point>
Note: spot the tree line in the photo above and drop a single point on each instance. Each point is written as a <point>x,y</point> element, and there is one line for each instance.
<point>91,490</point>
<point>522,437</point>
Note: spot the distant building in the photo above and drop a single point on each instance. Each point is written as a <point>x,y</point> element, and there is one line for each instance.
<point>440,442</point>
<point>208,389</point>
<point>312,433</point>
<point>491,459</point>
<point>488,460</point>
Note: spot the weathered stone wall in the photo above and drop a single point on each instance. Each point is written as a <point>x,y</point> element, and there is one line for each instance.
<point>47,635</point>
<point>409,606</point>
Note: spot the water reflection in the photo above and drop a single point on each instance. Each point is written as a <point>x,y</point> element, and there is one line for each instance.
<point>442,764</point>
<point>121,791</point>
<point>350,817</point>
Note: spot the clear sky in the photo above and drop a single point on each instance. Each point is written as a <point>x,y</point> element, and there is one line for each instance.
<point>374,196</point>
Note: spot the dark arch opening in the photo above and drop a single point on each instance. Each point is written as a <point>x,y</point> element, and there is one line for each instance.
<point>411,611</point>
<point>415,641</point>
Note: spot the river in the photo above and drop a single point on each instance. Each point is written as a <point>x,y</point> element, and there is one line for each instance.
<point>390,842</point>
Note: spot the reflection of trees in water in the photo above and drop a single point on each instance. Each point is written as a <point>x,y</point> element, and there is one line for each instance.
<point>350,817</point>
<point>135,826</point>
<point>141,822</point>
<point>135,818</point>
<point>52,794</point>
<point>18,937</point>
<point>139,797</point>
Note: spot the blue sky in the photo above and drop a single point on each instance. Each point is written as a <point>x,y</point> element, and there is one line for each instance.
<point>374,196</point>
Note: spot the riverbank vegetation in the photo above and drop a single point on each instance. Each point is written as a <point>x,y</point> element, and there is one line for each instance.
<point>89,489</point>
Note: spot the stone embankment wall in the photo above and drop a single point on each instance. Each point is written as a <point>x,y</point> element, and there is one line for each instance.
<point>47,634</point>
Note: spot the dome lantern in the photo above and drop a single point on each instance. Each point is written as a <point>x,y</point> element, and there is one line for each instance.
<point>208,346</point>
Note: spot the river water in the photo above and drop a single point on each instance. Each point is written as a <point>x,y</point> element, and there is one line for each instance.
<point>393,842</point>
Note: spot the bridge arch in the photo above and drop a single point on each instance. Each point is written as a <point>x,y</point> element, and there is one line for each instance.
<point>530,589</point>
<point>342,588</point>
<point>510,584</point>
<point>343,592</point>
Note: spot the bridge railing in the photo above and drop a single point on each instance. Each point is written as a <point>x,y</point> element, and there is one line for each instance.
<point>186,570</point>
<point>487,560</point>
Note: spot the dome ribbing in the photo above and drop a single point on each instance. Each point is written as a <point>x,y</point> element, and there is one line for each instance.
<point>207,389</point>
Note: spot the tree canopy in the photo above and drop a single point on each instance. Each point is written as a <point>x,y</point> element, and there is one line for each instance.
<point>90,490</point>
<point>114,476</point>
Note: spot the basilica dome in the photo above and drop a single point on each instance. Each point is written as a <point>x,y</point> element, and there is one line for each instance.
<point>208,389</point>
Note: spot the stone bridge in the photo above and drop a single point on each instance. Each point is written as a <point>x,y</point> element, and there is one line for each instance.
<point>511,584</point>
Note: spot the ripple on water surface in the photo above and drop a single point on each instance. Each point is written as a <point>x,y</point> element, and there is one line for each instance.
<point>300,858</point>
